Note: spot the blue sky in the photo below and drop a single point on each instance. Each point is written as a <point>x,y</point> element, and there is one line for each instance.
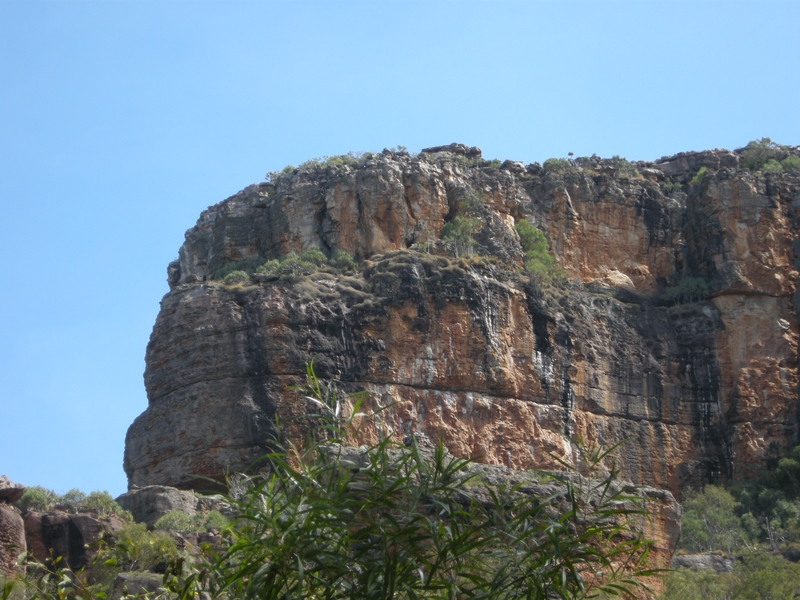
<point>121,121</point>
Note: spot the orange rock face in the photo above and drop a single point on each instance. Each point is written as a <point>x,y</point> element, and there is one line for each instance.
<point>674,328</point>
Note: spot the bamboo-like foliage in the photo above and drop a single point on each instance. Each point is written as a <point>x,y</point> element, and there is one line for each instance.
<point>396,521</point>
<point>391,521</point>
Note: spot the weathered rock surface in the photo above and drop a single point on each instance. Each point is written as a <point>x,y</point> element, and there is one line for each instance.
<point>472,352</point>
<point>133,583</point>
<point>12,539</point>
<point>714,562</point>
<point>150,503</point>
<point>71,537</point>
<point>10,491</point>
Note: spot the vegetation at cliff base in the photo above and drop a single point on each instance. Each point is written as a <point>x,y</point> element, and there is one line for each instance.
<point>758,522</point>
<point>392,521</point>
<point>387,521</point>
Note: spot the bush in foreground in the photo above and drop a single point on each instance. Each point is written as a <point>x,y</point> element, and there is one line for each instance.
<point>397,521</point>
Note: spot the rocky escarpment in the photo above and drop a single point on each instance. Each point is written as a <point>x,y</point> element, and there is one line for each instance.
<point>674,325</point>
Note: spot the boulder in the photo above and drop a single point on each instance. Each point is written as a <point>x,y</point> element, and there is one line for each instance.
<point>148,504</point>
<point>133,583</point>
<point>72,539</point>
<point>714,562</point>
<point>514,166</point>
<point>468,151</point>
<point>12,539</point>
<point>10,491</point>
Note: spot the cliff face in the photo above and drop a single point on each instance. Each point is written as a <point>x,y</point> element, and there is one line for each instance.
<point>496,363</point>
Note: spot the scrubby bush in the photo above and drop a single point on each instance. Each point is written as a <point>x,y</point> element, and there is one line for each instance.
<point>72,500</point>
<point>538,260</point>
<point>313,256</point>
<point>179,522</point>
<point>758,153</point>
<point>310,261</point>
<point>670,187</point>
<point>274,175</point>
<point>37,498</point>
<point>702,584</point>
<point>343,261</point>
<point>556,165</point>
<point>236,278</point>
<point>460,232</point>
<point>687,289</point>
<point>42,499</point>
<point>270,267</point>
<point>352,159</point>
<point>758,575</point>
<point>101,504</point>
<point>710,523</point>
<point>248,266</point>
<point>137,549</point>
<point>292,264</point>
<point>624,166</point>
<point>791,163</point>
<point>215,520</point>
<point>698,177</point>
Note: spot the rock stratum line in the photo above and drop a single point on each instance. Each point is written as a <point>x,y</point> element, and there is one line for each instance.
<point>472,350</point>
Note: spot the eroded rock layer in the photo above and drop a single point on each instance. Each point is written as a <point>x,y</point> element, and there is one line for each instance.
<point>499,365</point>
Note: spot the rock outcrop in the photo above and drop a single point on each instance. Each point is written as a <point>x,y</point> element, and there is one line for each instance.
<point>12,539</point>
<point>71,538</point>
<point>150,503</point>
<point>12,528</point>
<point>676,326</point>
<point>715,562</point>
<point>10,491</point>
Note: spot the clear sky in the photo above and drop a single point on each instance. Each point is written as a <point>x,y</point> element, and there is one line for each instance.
<point>121,120</point>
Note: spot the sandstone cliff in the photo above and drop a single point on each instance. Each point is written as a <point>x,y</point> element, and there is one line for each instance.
<point>473,351</point>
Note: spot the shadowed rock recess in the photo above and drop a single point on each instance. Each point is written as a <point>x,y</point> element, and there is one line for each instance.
<point>674,321</point>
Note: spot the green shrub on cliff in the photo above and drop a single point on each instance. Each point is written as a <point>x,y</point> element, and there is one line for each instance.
<point>310,261</point>
<point>538,260</point>
<point>270,267</point>
<point>179,522</point>
<point>37,498</point>
<point>272,176</point>
<point>687,289</point>
<point>137,549</point>
<point>791,164</point>
<point>248,266</point>
<point>236,278</point>
<point>766,155</point>
<point>758,153</point>
<point>343,261</point>
<point>698,177</point>
<point>556,165</point>
<point>460,234</point>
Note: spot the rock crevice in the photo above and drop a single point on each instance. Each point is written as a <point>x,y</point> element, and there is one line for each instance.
<point>675,327</point>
